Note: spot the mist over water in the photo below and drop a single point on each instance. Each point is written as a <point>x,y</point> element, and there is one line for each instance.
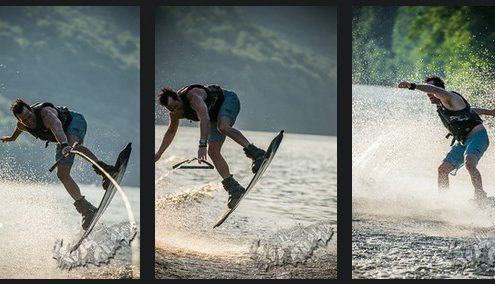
<point>402,226</point>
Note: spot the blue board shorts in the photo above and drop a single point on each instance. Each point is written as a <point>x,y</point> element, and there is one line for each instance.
<point>229,108</point>
<point>475,144</point>
<point>77,127</point>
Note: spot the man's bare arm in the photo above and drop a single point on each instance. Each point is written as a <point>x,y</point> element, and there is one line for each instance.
<point>439,93</point>
<point>173,125</point>
<point>484,111</point>
<point>17,131</point>
<point>51,121</point>
<point>443,95</point>
<point>198,104</point>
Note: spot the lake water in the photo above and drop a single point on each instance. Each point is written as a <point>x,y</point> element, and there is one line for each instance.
<point>289,218</point>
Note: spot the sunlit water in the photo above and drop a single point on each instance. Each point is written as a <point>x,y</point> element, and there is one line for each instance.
<point>402,227</point>
<point>34,216</point>
<point>296,197</point>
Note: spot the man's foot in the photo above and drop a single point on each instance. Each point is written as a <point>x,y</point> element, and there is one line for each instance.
<point>110,169</point>
<point>234,189</point>
<point>256,154</point>
<point>87,211</point>
<point>480,198</point>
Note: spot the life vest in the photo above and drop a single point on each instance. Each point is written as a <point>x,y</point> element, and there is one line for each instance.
<point>40,131</point>
<point>459,122</point>
<point>213,101</point>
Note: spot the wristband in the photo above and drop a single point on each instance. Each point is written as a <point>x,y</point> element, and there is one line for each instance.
<point>202,146</point>
<point>64,144</point>
<point>412,87</point>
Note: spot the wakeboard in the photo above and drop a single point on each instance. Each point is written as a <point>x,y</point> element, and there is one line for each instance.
<point>121,165</point>
<point>269,154</point>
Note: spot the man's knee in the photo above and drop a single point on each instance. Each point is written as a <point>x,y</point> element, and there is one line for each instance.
<point>445,169</point>
<point>63,173</point>
<point>471,162</point>
<point>72,139</point>
<point>224,128</point>
<point>213,152</point>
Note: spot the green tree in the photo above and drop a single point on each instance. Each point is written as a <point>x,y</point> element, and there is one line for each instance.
<point>393,43</point>
<point>372,40</point>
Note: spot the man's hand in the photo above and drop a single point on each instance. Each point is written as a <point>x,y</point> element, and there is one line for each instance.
<point>404,85</point>
<point>6,139</point>
<point>201,154</point>
<point>66,150</point>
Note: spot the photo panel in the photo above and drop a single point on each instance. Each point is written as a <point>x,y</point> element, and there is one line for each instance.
<point>70,166</point>
<point>422,175</point>
<point>245,142</point>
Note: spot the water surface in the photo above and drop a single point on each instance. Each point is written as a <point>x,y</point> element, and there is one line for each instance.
<point>293,202</point>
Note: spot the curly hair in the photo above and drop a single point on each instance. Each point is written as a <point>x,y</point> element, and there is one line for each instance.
<point>165,93</point>
<point>435,81</point>
<point>17,107</point>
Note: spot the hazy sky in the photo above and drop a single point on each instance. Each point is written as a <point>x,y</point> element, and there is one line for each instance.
<point>313,26</point>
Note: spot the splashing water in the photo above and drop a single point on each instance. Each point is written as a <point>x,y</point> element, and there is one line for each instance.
<point>291,246</point>
<point>98,248</point>
<point>402,227</point>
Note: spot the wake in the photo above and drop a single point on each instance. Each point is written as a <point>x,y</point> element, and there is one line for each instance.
<point>187,197</point>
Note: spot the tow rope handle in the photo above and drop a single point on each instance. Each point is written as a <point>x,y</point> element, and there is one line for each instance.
<point>61,158</point>
<point>181,165</point>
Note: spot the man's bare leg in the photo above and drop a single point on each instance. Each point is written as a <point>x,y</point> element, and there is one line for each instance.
<point>84,207</point>
<point>93,157</point>
<point>217,158</point>
<point>224,125</point>
<point>470,162</point>
<point>72,139</point>
<point>443,176</point>
<point>63,174</point>
<point>86,152</point>
<point>233,188</point>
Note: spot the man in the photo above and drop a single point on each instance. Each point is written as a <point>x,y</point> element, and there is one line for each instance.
<point>466,128</point>
<point>216,110</point>
<point>57,124</point>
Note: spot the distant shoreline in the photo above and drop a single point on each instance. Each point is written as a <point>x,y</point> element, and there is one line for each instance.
<point>268,131</point>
